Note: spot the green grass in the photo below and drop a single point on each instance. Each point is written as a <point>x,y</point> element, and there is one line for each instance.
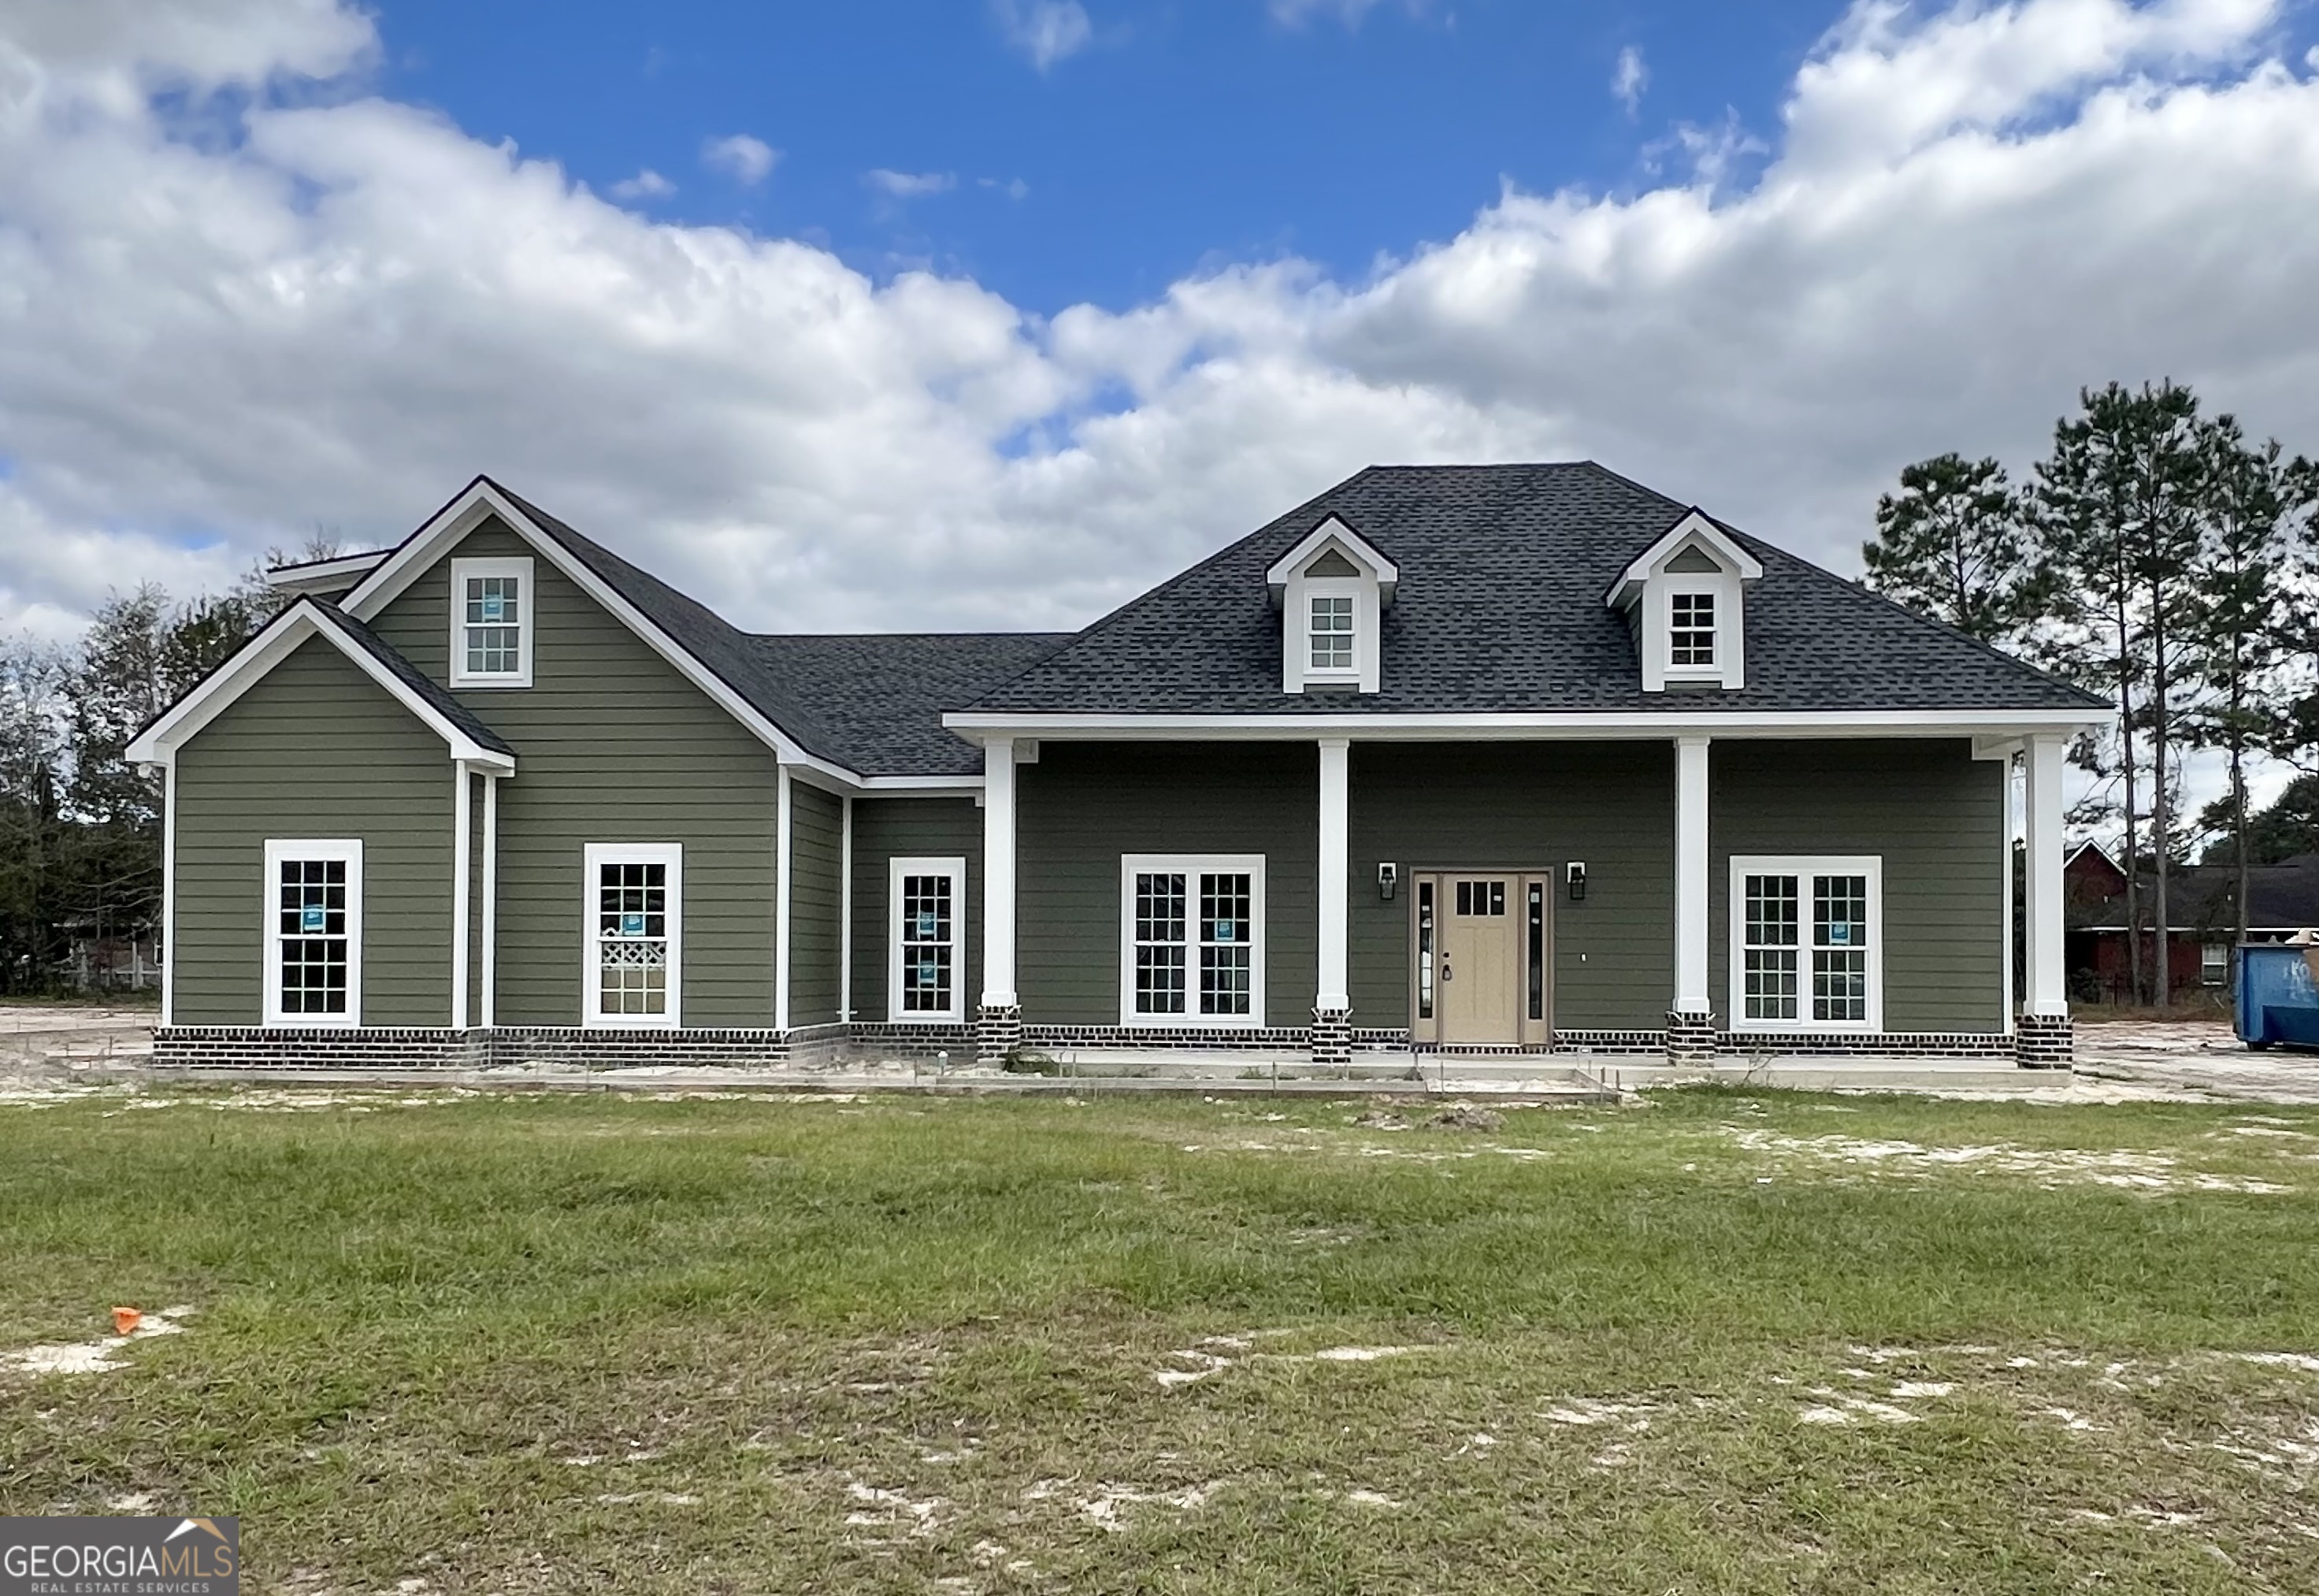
<point>913,1344</point>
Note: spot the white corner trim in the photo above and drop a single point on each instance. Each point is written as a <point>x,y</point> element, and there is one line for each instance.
<point>784,814</point>
<point>276,643</point>
<point>954,867</point>
<point>526,595</point>
<point>168,768</point>
<point>1804,866</point>
<point>1191,866</point>
<point>463,822</point>
<point>1693,527</point>
<point>594,856</point>
<point>278,851</point>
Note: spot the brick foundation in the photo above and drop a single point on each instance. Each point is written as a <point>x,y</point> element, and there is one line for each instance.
<point>1333,1039</point>
<point>997,1034</point>
<point>2045,1041</point>
<point>1691,1038</point>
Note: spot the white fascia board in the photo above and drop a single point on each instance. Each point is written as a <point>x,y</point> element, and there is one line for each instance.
<point>1362,551</point>
<point>464,514</point>
<point>922,786</point>
<point>326,576</point>
<point>281,637</point>
<point>1480,726</point>
<point>1694,526</point>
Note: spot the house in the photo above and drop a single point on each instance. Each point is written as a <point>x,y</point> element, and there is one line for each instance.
<point>1494,757</point>
<point>2201,899</point>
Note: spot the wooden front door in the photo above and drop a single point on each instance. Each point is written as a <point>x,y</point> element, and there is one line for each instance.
<point>1478,976</point>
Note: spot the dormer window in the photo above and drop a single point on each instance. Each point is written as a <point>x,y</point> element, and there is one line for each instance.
<point>491,623</point>
<point>1691,631</point>
<point>1685,599</point>
<point>1331,634</point>
<point>1331,590</point>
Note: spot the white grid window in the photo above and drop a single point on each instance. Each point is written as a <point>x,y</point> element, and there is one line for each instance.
<point>1807,944</point>
<point>635,912</point>
<point>1690,630</point>
<point>1192,940</point>
<point>492,623</point>
<point>313,933</point>
<point>1331,632</point>
<point>926,969</point>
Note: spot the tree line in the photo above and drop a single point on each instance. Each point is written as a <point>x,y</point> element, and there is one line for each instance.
<point>80,827</point>
<point>2164,560</point>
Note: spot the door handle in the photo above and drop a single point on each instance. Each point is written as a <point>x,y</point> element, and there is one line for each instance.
<point>1446,972</point>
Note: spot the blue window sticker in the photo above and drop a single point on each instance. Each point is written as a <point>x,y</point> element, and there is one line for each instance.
<point>313,917</point>
<point>929,973</point>
<point>1226,931</point>
<point>494,607</point>
<point>632,925</point>
<point>926,925</point>
<point>1839,932</point>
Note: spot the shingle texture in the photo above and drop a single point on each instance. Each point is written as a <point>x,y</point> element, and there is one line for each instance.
<point>1503,570</point>
<point>872,703</point>
<point>437,697</point>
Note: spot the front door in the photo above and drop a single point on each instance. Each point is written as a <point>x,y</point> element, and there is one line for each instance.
<point>1478,977</point>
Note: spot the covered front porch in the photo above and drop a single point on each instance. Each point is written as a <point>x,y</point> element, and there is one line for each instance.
<point>1700,898</point>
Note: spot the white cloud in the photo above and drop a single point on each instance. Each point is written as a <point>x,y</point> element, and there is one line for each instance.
<point>747,161</point>
<point>1013,188</point>
<point>1296,13</point>
<point>646,185</point>
<point>910,186</point>
<point>1629,78</point>
<point>1045,30</point>
<point>209,347</point>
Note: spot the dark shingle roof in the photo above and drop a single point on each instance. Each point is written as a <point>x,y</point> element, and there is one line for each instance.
<point>1503,570</point>
<point>2282,897</point>
<point>872,703</point>
<point>882,695</point>
<point>438,697</point>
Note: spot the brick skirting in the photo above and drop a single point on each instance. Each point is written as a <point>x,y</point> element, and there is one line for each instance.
<point>1691,1038</point>
<point>1333,1039</point>
<point>2045,1041</point>
<point>997,1034</point>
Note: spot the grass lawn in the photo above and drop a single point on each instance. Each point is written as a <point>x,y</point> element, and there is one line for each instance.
<point>1720,1343</point>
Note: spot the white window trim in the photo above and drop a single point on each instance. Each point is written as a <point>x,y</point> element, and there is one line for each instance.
<point>1192,865</point>
<point>594,856</point>
<point>1690,585</point>
<point>955,869</point>
<point>1804,866</point>
<point>518,566</point>
<point>279,851</point>
<point>1335,586</point>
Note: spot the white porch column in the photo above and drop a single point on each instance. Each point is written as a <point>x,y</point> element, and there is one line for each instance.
<point>781,802</point>
<point>463,828</point>
<point>845,911</point>
<point>998,875</point>
<point>487,1000</point>
<point>1690,896</point>
<point>2048,992</point>
<point>1336,872</point>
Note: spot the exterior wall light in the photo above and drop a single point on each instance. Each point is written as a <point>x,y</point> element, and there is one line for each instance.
<point>1575,873</point>
<point>1388,876</point>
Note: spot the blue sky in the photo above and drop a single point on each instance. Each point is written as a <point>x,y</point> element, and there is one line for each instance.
<point>1178,134</point>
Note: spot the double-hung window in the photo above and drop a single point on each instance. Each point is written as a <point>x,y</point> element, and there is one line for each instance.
<point>1192,940</point>
<point>925,970</point>
<point>1691,631</point>
<point>634,913</point>
<point>492,622</point>
<point>313,933</point>
<point>1807,944</point>
<point>1331,633</point>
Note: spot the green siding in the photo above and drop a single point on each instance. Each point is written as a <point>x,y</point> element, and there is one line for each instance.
<point>612,745</point>
<point>1082,805</point>
<point>816,845</point>
<point>315,750</point>
<point>1523,805</point>
<point>1930,808</point>
<point>887,829</point>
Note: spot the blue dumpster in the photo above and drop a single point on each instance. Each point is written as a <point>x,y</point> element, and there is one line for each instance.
<point>2277,996</point>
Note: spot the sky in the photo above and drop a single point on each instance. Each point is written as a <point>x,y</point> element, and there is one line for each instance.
<point>991,313</point>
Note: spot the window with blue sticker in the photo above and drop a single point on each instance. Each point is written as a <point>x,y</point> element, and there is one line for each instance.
<point>312,945</point>
<point>632,942</point>
<point>491,612</point>
<point>925,920</point>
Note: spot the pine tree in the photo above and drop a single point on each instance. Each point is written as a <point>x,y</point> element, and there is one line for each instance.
<point>1951,545</point>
